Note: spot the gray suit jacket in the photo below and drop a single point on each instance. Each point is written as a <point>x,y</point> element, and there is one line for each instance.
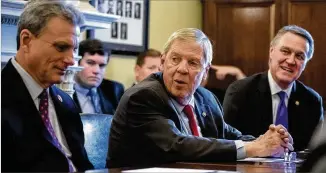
<point>146,129</point>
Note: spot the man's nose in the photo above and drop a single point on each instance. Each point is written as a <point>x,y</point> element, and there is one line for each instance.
<point>183,67</point>
<point>96,69</point>
<point>291,59</point>
<point>69,60</point>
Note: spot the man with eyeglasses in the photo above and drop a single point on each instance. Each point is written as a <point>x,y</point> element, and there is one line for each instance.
<point>169,118</point>
<point>41,130</point>
<point>276,96</point>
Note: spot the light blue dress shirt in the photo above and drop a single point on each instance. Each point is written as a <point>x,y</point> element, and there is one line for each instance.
<point>85,100</point>
<point>241,153</point>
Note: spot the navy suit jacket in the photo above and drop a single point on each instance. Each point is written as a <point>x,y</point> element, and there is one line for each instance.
<point>26,144</point>
<point>110,93</point>
<point>248,107</point>
<point>146,129</point>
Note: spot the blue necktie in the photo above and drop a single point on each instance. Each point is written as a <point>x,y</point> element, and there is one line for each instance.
<point>282,111</point>
<point>95,100</point>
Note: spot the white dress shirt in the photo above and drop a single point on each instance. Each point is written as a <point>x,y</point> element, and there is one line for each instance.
<point>275,98</point>
<point>35,90</point>
<point>184,121</point>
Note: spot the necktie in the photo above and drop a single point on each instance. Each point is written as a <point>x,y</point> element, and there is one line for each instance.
<point>95,100</point>
<point>43,109</point>
<point>282,111</point>
<point>192,121</point>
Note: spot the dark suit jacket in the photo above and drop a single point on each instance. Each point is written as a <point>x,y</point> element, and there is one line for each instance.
<point>110,93</point>
<point>248,107</point>
<point>26,145</point>
<point>315,160</point>
<point>146,129</point>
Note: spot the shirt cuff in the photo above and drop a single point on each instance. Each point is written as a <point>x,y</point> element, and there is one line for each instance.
<point>241,152</point>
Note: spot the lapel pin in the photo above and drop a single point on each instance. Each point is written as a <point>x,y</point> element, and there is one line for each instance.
<point>59,97</point>
<point>297,103</point>
<point>204,114</point>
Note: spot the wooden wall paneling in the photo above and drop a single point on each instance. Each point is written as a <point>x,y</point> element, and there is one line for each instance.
<point>209,20</point>
<point>242,31</point>
<point>311,15</point>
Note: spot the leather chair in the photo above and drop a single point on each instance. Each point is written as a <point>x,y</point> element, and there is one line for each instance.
<point>97,130</point>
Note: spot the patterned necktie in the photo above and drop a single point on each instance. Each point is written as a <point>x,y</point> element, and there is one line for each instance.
<point>95,100</point>
<point>282,111</point>
<point>192,121</point>
<point>43,109</point>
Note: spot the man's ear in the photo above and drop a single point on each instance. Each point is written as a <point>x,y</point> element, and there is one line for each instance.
<point>80,60</point>
<point>25,40</point>
<point>206,71</point>
<point>162,62</point>
<point>136,70</point>
<point>271,51</point>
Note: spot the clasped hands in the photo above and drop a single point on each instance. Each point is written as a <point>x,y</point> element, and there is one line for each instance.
<point>274,143</point>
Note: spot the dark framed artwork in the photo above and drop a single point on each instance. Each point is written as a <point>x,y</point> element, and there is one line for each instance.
<point>128,12</point>
<point>129,34</point>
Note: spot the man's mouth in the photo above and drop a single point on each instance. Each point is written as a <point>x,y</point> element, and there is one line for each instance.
<point>62,71</point>
<point>94,78</point>
<point>179,81</point>
<point>287,69</point>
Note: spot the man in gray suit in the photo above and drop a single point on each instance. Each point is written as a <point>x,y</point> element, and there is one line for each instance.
<point>168,117</point>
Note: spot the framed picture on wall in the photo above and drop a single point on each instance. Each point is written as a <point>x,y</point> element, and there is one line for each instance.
<point>129,34</point>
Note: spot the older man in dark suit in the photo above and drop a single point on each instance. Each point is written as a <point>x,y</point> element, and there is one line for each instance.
<point>41,130</point>
<point>276,96</point>
<point>168,117</point>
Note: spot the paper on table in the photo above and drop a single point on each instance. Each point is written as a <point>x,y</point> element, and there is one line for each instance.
<point>171,170</point>
<point>267,160</point>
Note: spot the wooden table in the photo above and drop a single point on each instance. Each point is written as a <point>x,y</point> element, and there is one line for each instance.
<point>237,166</point>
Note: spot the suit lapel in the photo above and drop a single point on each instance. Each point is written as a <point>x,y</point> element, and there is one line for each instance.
<point>106,105</point>
<point>263,99</point>
<point>62,115</point>
<point>175,119</point>
<point>22,98</point>
<point>205,118</point>
<point>75,98</point>
<point>293,107</point>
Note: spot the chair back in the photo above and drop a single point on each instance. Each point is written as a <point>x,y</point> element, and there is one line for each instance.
<point>97,130</point>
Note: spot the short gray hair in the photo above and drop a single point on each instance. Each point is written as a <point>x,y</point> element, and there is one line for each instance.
<point>37,13</point>
<point>297,31</point>
<point>192,34</point>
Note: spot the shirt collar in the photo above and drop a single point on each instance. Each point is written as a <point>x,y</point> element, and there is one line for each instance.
<point>180,107</point>
<point>79,88</point>
<point>32,86</point>
<point>275,88</point>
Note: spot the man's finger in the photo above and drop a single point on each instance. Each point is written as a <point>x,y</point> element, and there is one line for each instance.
<point>272,127</point>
